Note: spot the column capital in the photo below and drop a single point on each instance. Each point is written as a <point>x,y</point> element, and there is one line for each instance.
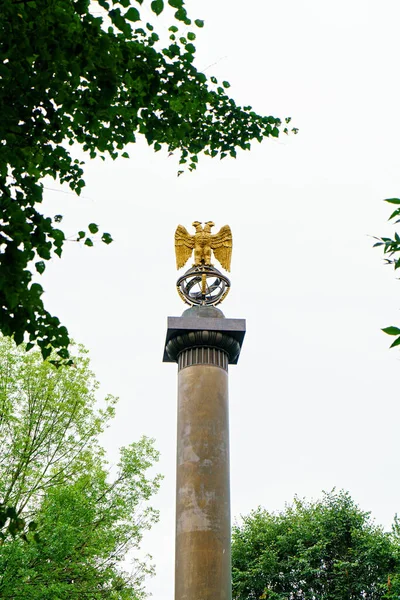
<point>199,328</point>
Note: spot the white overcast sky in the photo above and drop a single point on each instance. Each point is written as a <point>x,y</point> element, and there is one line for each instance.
<point>314,400</point>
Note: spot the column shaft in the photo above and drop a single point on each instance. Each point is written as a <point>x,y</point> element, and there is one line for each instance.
<point>203,555</point>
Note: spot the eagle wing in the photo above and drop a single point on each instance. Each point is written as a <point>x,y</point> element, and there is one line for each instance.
<point>221,243</point>
<point>184,244</point>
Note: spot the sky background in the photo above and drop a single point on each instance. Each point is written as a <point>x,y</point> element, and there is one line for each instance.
<point>314,401</point>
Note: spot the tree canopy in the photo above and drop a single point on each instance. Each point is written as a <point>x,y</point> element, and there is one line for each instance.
<point>323,550</point>
<point>83,521</point>
<point>94,74</point>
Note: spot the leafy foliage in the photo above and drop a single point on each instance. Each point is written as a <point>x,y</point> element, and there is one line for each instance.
<point>325,550</point>
<point>53,472</point>
<point>394,581</point>
<point>93,74</point>
<point>391,248</point>
<point>12,524</point>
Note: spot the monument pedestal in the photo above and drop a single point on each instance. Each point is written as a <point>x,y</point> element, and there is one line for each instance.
<point>203,343</point>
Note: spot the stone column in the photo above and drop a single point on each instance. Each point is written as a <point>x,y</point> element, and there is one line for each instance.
<point>203,343</point>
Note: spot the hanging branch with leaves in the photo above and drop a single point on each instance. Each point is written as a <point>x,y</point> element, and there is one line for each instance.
<point>391,249</point>
<point>94,74</point>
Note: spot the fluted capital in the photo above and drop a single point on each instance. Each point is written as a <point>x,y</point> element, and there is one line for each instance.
<point>196,331</point>
<point>204,339</point>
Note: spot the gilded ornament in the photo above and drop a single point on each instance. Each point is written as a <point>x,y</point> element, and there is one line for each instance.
<point>202,243</point>
<point>203,284</point>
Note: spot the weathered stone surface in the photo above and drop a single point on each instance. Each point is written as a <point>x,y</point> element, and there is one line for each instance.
<point>203,562</point>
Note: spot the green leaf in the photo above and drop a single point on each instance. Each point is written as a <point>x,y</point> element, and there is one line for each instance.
<point>181,15</point>
<point>63,353</point>
<point>393,200</point>
<point>18,337</point>
<point>93,228</point>
<point>391,330</point>
<point>157,6</point>
<point>191,36</point>
<point>125,155</point>
<point>132,14</point>
<point>40,266</point>
<point>106,238</point>
<point>36,289</point>
<point>199,23</point>
<point>11,513</point>
<point>394,214</point>
<point>396,343</point>
<point>88,242</point>
<point>175,3</point>
<point>119,21</point>
<point>12,528</point>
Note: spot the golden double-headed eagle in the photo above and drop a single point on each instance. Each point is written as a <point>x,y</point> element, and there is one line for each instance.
<point>202,242</point>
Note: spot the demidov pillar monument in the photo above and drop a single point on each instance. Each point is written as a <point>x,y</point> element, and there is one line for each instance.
<point>203,343</point>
